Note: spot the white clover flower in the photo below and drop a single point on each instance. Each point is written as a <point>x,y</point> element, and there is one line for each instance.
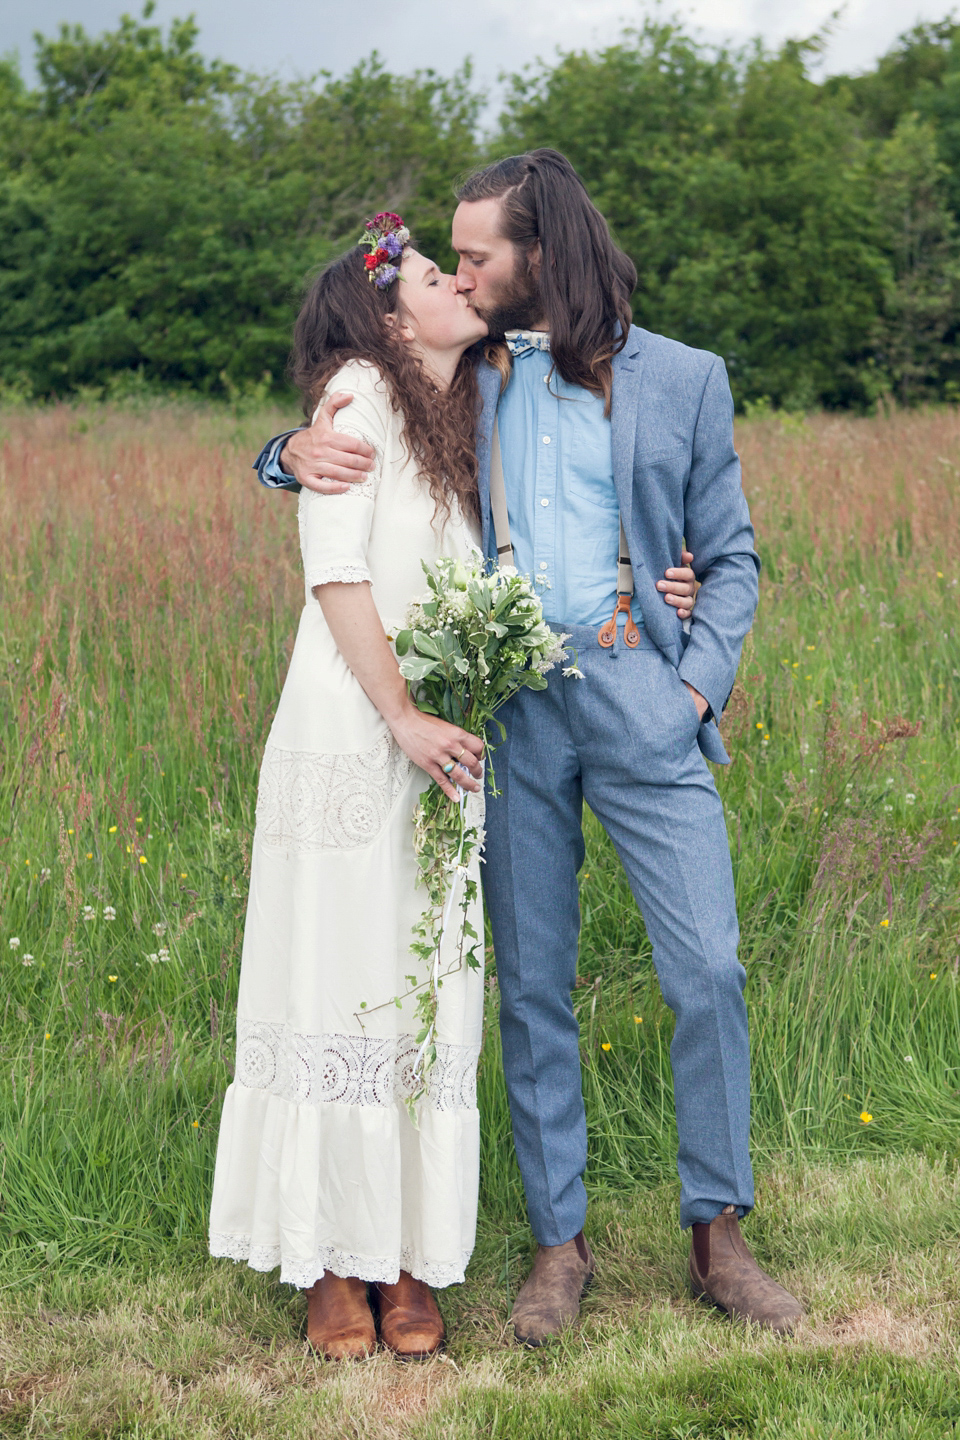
<point>27,960</point>
<point>45,873</point>
<point>888,808</point>
<point>908,1059</point>
<point>159,928</point>
<point>89,913</point>
<point>153,959</point>
<point>910,798</point>
<point>14,942</point>
<point>163,954</point>
<point>109,913</point>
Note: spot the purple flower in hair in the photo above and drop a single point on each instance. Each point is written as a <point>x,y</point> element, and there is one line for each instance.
<point>385,275</point>
<point>392,245</point>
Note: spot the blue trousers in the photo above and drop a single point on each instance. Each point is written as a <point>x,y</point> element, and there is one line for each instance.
<point>623,738</point>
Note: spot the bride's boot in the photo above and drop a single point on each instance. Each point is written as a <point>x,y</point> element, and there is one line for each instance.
<point>410,1321</point>
<point>339,1321</point>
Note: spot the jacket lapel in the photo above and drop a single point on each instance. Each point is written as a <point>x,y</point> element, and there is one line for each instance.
<point>627,369</point>
<point>488,381</point>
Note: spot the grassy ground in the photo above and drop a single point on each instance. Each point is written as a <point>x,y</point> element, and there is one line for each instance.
<point>149,596</point>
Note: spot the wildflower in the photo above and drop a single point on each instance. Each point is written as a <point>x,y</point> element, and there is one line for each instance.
<point>27,960</point>
<point>196,1124</point>
<point>865,1116</point>
<point>89,854</point>
<point>884,923</point>
<point>14,942</point>
<point>939,574</point>
<point>183,874</point>
<point>159,928</point>
<point>69,832</point>
<point>112,830</point>
<point>139,820</point>
<point>109,913</point>
<point>47,1036</point>
<point>45,873</point>
<point>888,808</point>
<point>795,665</point>
<point>606,1045</point>
<point>27,862</point>
<point>759,725</point>
<point>811,647</point>
<point>572,672</point>
<point>638,1019</point>
<point>89,913</point>
<point>933,974</point>
<point>908,1059</point>
<point>112,979</point>
<point>910,799</point>
<point>143,859</point>
<point>163,954</point>
<point>153,959</point>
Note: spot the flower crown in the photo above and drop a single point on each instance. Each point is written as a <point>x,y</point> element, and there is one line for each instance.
<point>386,236</point>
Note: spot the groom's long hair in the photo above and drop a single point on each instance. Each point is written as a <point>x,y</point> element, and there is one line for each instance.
<point>585,281</point>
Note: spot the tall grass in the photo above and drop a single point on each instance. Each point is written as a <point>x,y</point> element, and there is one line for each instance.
<point>150,593</point>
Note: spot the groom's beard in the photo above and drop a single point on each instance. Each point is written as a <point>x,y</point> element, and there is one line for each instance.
<point>515,306</point>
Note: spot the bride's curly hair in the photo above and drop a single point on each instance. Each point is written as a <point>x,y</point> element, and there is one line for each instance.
<point>343,317</point>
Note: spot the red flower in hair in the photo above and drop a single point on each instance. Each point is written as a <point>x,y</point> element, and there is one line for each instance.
<point>371,260</point>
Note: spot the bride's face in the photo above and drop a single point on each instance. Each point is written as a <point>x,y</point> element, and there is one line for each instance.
<point>432,310</point>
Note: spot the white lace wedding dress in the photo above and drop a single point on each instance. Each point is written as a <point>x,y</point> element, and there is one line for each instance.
<point>319,1166</point>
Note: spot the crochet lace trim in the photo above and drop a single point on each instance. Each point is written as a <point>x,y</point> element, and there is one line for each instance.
<point>313,801</point>
<point>303,1274</point>
<point>350,1069</point>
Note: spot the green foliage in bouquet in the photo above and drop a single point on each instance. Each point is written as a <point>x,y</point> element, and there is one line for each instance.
<point>474,640</point>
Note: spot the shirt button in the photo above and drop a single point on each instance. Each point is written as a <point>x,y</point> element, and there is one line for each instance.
<point>543,564</point>
<point>546,439</point>
<point>544,503</point>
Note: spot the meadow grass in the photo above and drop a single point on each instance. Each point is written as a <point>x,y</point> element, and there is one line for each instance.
<point>150,594</point>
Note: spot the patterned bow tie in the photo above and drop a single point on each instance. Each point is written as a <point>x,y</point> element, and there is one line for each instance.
<point>521,342</point>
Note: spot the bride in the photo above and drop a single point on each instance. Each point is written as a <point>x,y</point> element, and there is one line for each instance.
<point>320,1168</point>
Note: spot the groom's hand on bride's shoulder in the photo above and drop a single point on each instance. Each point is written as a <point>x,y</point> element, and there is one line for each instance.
<point>327,460</point>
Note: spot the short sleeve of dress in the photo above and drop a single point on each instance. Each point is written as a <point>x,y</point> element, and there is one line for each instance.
<point>335,529</point>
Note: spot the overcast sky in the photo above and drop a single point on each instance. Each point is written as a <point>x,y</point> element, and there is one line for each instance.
<point>299,37</point>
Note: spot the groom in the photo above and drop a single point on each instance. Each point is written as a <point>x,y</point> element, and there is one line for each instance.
<point>601,423</point>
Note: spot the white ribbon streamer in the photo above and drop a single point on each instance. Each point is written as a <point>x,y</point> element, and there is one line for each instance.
<point>456,867</point>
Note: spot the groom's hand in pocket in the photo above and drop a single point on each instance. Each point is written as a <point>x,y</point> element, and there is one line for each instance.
<point>323,459</point>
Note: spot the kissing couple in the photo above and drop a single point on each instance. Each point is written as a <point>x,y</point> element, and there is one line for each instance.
<point>515,407</point>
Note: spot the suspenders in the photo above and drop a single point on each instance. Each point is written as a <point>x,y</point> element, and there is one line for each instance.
<point>607,633</point>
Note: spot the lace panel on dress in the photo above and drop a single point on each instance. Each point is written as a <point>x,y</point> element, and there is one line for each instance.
<point>315,801</point>
<point>350,1069</point>
<point>303,1274</point>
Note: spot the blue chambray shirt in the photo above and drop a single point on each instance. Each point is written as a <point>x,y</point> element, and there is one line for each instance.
<point>556,447</point>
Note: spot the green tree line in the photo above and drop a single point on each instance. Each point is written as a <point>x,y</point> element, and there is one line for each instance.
<point>160,212</point>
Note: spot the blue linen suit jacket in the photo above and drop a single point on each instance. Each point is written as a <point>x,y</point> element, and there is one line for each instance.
<point>677,477</point>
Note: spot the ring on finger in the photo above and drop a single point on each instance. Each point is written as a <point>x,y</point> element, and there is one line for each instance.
<point>448,767</point>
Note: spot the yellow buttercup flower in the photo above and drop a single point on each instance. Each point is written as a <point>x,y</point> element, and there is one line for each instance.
<point>606,1045</point>
<point>759,725</point>
<point>112,979</point>
<point>638,1019</point>
<point>933,974</point>
<point>196,1124</point>
<point>112,830</point>
<point>865,1116</point>
<point>884,923</point>
<point>143,859</point>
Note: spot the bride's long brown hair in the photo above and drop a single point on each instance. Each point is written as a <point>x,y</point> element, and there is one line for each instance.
<point>344,318</point>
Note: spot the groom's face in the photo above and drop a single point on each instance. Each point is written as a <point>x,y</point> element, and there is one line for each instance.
<point>498,280</point>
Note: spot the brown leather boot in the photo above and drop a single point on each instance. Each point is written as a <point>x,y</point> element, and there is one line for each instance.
<point>339,1320</point>
<point>724,1273</point>
<point>410,1321</point>
<point>550,1297</point>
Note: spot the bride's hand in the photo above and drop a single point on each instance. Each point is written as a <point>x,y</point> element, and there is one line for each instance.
<point>432,743</point>
<point>680,587</point>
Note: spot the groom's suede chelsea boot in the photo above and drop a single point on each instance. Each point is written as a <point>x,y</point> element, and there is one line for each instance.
<point>724,1273</point>
<point>550,1297</point>
<point>340,1323</point>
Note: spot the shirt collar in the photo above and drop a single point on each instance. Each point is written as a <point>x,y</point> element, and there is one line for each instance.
<point>522,342</point>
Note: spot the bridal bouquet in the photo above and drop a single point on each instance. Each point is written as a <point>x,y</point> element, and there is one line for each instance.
<point>474,640</point>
